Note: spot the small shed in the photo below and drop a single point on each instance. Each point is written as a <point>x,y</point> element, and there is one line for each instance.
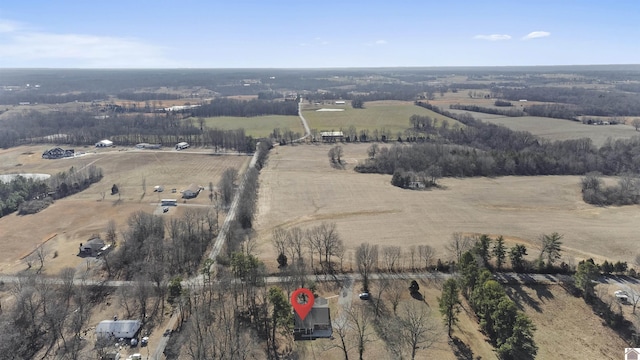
<point>104,143</point>
<point>117,329</point>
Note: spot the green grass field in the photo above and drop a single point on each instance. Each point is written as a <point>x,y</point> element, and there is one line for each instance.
<point>258,126</point>
<point>391,115</point>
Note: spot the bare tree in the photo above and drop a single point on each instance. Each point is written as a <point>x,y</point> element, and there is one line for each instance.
<point>458,245</point>
<point>366,260</point>
<point>111,235</point>
<point>636,123</point>
<point>361,323</point>
<point>396,290</point>
<point>41,253</point>
<point>342,330</point>
<point>412,257</point>
<point>295,245</point>
<point>391,256</point>
<point>426,254</point>
<point>280,239</point>
<point>419,331</point>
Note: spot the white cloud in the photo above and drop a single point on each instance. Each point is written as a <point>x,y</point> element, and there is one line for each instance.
<point>536,34</point>
<point>381,42</point>
<point>493,37</point>
<point>8,26</point>
<point>21,45</point>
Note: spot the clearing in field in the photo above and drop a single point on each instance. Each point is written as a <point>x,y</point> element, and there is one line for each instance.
<point>300,188</point>
<point>71,221</point>
<point>376,115</point>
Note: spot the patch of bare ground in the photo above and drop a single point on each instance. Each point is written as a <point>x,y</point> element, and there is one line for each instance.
<point>567,328</point>
<point>73,220</point>
<point>298,187</point>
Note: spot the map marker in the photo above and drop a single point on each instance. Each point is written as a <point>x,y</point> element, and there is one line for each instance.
<point>302,309</point>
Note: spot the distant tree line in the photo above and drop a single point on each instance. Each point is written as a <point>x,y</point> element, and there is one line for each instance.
<point>486,110</point>
<point>35,96</point>
<point>482,149</point>
<point>245,108</point>
<point>270,95</point>
<point>146,96</point>
<point>82,128</point>
<point>584,101</point>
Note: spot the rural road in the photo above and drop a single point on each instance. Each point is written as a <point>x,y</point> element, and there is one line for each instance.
<point>307,132</point>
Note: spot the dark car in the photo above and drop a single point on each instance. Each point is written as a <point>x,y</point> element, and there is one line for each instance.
<point>365,296</point>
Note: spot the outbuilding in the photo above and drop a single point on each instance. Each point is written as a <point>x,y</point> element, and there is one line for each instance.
<point>104,143</point>
<point>117,329</point>
<point>182,145</point>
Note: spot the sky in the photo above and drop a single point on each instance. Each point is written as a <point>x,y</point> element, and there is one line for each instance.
<point>316,34</point>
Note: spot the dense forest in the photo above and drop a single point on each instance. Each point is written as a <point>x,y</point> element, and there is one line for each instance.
<point>250,108</point>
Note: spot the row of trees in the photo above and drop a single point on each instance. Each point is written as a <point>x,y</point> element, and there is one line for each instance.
<point>29,196</point>
<point>83,128</point>
<point>481,149</point>
<point>245,108</point>
<point>509,330</point>
<point>475,108</point>
<point>626,192</point>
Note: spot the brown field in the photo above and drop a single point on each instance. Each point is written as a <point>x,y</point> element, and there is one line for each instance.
<point>72,220</point>
<point>567,326</point>
<point>300,188</point>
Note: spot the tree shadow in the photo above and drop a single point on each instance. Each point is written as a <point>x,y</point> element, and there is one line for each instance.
<point>417,295</point>
<point>461,350</point>
<point>520,297</point>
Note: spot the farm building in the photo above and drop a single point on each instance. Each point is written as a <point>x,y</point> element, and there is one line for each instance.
<point>148,146</point>
<point>182,145</point>
<point>191,192</point>
<point>332,136</point>
<point>93,247</point>
<point>317,324</point>
<point>340,102</point>
<point>169,202</point>
<point>58,153</point>
<point>125,329</point>
<point>104,143</point>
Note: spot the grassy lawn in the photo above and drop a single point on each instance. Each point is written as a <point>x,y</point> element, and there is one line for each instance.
<point>391,115</point>
<point>256,126</point>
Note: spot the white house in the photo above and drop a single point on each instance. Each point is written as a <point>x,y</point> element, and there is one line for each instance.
<point>104,143</point>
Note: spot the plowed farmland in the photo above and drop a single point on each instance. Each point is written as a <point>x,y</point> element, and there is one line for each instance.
<point>300,188</point>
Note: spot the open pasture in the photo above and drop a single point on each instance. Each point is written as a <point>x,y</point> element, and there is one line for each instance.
<point>559,129</point>
<point>300,188</point>
<point>74,219</point>
<point>258,126</point>
<point>390,115</point>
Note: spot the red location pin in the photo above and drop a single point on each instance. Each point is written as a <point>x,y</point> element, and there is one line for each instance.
<point>302,309</point>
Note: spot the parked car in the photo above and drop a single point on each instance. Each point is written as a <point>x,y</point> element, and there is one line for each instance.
<point>165,209</point>
<point>364,296</point>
